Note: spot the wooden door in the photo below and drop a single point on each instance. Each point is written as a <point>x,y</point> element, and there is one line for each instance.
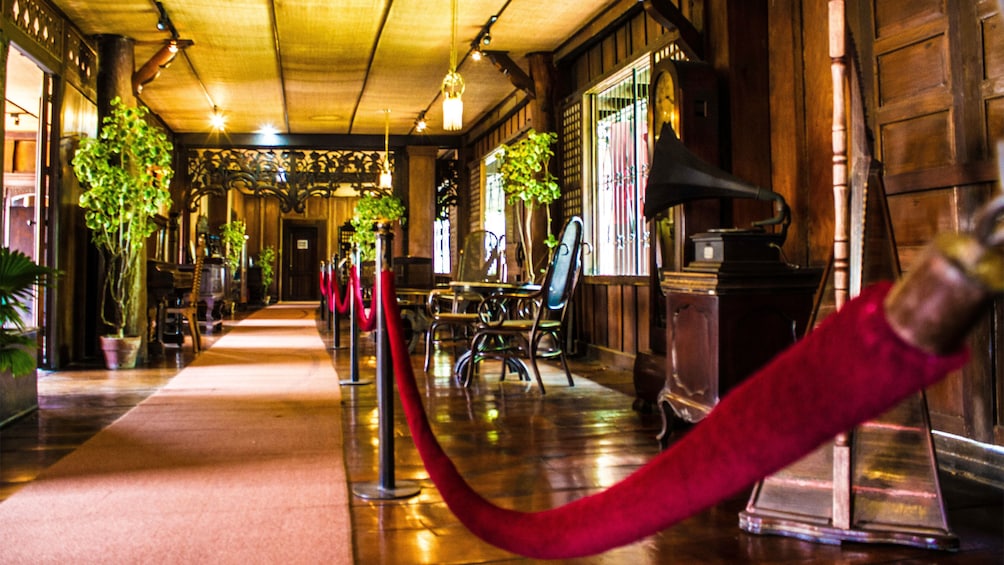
<point>301,261</point>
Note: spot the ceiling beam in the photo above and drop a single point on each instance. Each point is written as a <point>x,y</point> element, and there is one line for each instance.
<point>369,62</point>
<point>504,63</point>
<point>670,16</point>
<point>278,62</point>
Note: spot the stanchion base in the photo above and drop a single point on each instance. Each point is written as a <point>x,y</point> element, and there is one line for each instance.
<point>373,491</point>
<point>354,383</point>
<point>338,347</point>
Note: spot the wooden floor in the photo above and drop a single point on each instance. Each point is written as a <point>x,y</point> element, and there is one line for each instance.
<point>518,448</point>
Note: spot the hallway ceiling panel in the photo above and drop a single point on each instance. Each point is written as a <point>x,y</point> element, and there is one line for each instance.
<point>327,66</point>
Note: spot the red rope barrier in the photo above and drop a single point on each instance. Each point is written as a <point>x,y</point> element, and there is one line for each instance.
<point>324,282</point>
<point>366,321</point>
<point>848,370</point>
<point>336,300</point>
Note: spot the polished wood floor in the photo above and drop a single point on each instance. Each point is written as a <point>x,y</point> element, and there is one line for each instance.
<point>519,449</point>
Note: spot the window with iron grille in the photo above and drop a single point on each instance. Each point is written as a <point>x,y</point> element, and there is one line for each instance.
<point>619,163</point>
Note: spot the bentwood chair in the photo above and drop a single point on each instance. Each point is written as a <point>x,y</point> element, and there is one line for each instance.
<point>514,325</point>
<point>453,309</point>
<point>186,310</point>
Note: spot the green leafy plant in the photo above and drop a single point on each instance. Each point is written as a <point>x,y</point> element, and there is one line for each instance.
<point>526,177</point>
<point>126,170</point>
<point>233,236</point>
<point>266,261</point>
<point>369,209</point>
<point>18,277</point>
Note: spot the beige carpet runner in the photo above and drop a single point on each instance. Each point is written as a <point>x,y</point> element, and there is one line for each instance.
<point>237,460</point>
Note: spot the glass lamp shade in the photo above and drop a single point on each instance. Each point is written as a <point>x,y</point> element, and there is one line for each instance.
<point>453,105</point>
<point>386,179</point>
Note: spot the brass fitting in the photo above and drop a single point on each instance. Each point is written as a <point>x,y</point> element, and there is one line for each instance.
<point>938,303</point>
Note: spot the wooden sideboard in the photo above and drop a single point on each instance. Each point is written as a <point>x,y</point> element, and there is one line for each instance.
<point>722,327</point>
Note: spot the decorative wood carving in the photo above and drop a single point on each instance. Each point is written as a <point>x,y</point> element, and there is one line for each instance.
<point>290,175</point>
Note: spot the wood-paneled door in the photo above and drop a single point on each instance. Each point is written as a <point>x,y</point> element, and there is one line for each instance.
<point>300,262</point>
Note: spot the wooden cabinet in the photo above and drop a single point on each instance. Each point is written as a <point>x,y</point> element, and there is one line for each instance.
<point>722,327</point>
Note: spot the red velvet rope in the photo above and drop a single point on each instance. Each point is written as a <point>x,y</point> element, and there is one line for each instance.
<point>366,321</point>
<point>336,301</point>
<point>324,284</point>
<point>848,370</point>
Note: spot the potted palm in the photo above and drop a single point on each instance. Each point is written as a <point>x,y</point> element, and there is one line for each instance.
<point>526,177</point>
<point>18,387</point>
<point>125,171</point>
<point>266,262</point>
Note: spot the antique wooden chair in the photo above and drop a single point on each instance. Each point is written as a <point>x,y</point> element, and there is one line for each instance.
<point>186,311</point>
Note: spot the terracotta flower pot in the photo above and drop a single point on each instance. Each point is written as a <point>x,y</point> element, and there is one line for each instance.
<point>120,352</point>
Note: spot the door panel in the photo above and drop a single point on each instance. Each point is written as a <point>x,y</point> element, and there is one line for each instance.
<point>301,259</point>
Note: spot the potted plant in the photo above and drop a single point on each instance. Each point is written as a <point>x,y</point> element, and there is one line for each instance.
<point>18,277</point>
<point>369,209</point>
<point>125,171</point>
<point>526,177</point>
<point>233,235</point>
<point>266,262</point>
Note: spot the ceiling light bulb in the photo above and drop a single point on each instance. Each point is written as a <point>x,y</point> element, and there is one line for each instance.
<point>486,40</point>
<point>476,55</point>
<point>216,120</point>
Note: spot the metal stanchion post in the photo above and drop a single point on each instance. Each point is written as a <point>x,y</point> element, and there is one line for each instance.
<point>324,301</point>
<point>354,331</point>
<point>385,488</point>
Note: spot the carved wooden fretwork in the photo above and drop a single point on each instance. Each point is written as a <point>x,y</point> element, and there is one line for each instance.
<point>40,22</point>
<point>80,61</point>
<point>291,175</point>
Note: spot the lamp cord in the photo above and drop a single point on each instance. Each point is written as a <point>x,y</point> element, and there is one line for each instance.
<point>453,39</point>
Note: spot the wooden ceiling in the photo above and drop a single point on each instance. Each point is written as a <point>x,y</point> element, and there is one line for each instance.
<point>320,66</point>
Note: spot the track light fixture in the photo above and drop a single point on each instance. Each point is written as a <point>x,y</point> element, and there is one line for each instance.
<point>420,123</point>
<point>164,21</point>
<point>483,40</point>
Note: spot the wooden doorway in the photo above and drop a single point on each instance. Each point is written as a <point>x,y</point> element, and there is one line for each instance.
<point>301,261</point>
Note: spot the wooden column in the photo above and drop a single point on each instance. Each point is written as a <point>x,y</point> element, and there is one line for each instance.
<point>421,199</point>
<point>542,71</point>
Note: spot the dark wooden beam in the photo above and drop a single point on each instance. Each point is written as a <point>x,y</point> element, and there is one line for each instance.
<point>667,14</point>
<point>504,63</point>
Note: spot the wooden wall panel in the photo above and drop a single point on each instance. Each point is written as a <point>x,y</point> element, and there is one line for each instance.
<point>616,314</point>
<point>992,35</point>
<point>893,16</point>
<point>995,117</point>
<point>917,218</point>
<point>923,142</point>
<point>913,70</point>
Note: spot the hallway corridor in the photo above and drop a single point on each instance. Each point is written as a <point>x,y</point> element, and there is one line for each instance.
<point>516,447</point>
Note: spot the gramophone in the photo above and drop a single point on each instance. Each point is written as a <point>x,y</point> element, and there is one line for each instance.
<point>678,176</point>
<point>736,281</point>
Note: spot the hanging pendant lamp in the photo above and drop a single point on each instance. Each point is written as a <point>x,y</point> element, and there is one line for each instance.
<point>453,84</point>
<point>386,178</point>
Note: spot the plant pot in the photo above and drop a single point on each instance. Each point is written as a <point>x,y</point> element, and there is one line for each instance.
<point>120,352</point>
<point>18,395</point>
